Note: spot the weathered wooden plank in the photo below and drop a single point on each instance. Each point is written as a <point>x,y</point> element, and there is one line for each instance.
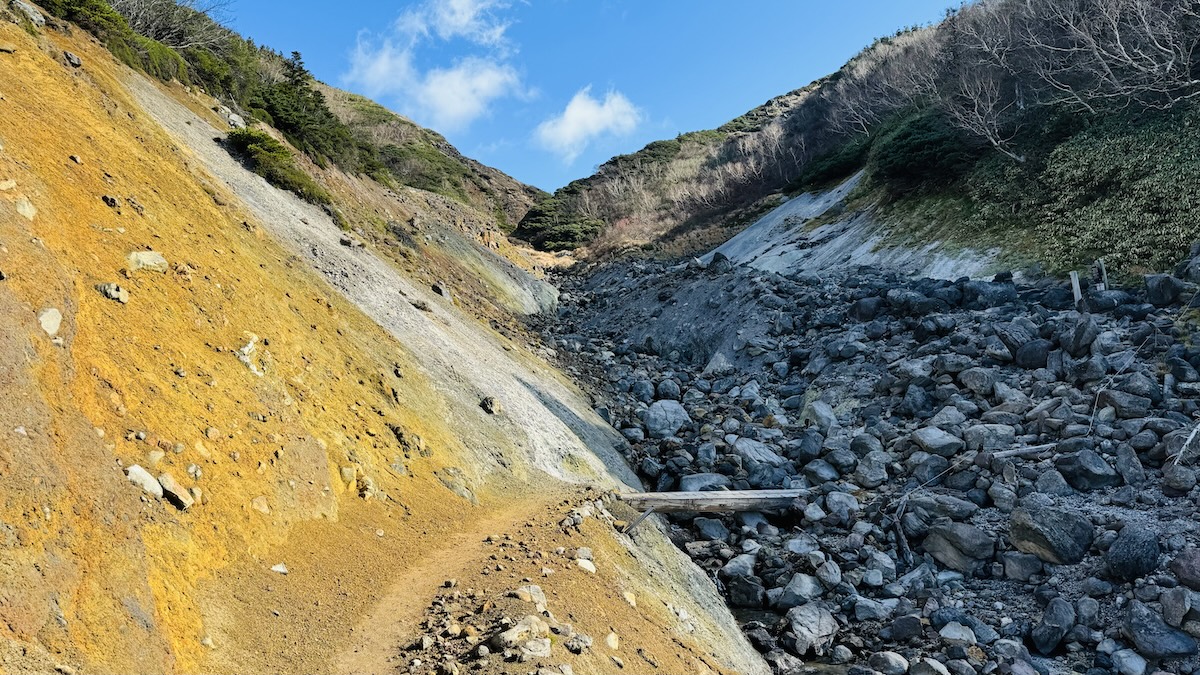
<point>717,501</point>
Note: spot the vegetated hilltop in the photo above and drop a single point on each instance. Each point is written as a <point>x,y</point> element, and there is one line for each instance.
<point>235,438</point>
<point>1063,128</point>
<point>423,159</point>
<point>389,181</point>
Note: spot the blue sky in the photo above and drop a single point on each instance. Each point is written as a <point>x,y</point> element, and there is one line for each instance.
<point>545,90</point>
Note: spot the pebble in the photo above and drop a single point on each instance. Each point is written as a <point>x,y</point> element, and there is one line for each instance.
<point>51,320</point>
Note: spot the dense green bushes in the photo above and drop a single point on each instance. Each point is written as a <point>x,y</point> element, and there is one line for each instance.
<point>422,166</point>
<point>272,160</point>
<point>1123,190</point>
<point>548,229</point>
<point>920,151</point>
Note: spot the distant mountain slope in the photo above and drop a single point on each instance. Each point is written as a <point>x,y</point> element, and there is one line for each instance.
<point>423,159</point>
<point>1064,130</point>
<point>676,186</point>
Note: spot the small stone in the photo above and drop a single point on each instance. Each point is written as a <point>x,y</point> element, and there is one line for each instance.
<point>1129,662</point>
<point>578,643</point>
<point>72,60</point>
<point>114,292</point>
<point>490,405</point>
<point>260,504</point>
<point>142,478</point>
<point>665,418</point>
<point>612,641</point>
<point>147,260</point>
<point>280,568</point>
<point>26,209</point>
<point>907,628</point>
<point>814,628</point>
<point>927,666</point>
<point>586,565</point>
<point>50,320</point>
<point>956,633</point>
<point>1186,567</point>
<point>175,493</point>
<point>1057,620</point>
<point>937,441</point>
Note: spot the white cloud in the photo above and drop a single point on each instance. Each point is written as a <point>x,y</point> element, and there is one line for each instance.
<point>381,69</point>
<point>458,95</point>
<point>445,97</point>
<point>585,119</point>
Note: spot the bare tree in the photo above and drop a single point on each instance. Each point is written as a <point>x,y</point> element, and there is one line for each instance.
<point>1093,52</point>
<point>179,24</point>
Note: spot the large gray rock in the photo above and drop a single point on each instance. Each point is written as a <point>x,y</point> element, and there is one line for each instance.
<point>959,546</point>
<point>665,418</point>
<point>1056,621</point>
<point>698,482</point>
<point>814,628</point>
<point>1128,406</point>
<point>937,441</point>
<point>1033,355</point>
<point>756,452</point>
<point>1054,535</point>
<point>990,437</point>
<point>888,663</point>
<point>871,471</point>
<point>30,12</point>
<point>1086,471</point>
<point>1153,637</point>
<point>979,380</point>
<point>746,592</point>
<point>1186,568</point>
<point>1134,554</point>
<point>1163,289</point>
<point>1077,340</point>
<point>739,566</point>
<point>800,590</point>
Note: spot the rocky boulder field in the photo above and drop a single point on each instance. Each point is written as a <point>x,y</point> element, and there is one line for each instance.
<point>994,480</point>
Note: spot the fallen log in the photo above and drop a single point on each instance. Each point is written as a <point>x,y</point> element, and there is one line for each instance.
<point>716,501</point>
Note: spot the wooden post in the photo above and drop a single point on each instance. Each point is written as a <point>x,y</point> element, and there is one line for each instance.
<point>717,501</point>
<point>1103,273</point>
<point>1075,288</point>
<point>638,521</point>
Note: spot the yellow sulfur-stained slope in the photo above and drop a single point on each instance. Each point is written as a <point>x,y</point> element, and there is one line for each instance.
<point>242,372</point>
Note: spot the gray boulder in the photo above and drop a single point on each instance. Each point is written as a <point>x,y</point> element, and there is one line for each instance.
<point>959,546</point>
<point>1086,471</point>
<point>665,418</point>
<point>937,441</point>
<point>1134,554</point>
<point>1153,637</point>
<point>1056,621</point>
<point>814,628</point>
<point>1056,536</point>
